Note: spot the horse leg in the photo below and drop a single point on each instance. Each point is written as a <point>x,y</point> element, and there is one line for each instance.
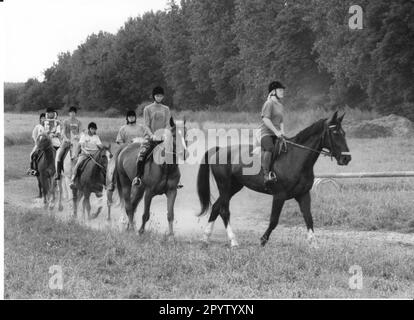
<point>60,206</point>
<point>147,204</point>
<point>98,211</point>
<point>304,201</point>
<point>171,195</point>
<point>75,202</point>
<point>277,206</point>
<point>87,205</point>
<point>225,213</point>
<point>52,193</point>
<point>109,201</point>
<point>40,187</point>
<point>126,194</point>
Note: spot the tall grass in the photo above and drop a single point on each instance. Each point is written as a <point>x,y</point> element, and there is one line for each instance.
<point>18,127</point>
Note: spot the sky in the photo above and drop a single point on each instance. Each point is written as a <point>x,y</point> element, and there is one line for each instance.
<point>36,31</point>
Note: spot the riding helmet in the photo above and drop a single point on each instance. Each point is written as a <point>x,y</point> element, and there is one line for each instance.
<point>157,90</point>
<point>131,113</point>
<point>275,85</point>
<point>50,110</point>
<point>73,109</point>
<point>92,125</point>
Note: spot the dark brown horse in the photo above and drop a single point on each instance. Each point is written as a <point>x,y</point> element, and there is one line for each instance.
<point>46,168</point>
<point>294,171</point>
<point>91,180</point>
<point>160,177</point>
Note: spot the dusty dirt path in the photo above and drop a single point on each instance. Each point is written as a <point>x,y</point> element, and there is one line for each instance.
<point>249,213</point>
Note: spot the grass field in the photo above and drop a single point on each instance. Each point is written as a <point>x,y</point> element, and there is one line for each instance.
<point>99,264</point>
<point>109,264</point>
<point>18,127</point>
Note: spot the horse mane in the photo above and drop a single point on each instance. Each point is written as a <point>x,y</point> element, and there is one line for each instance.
<point>44,142</point>
<point>314,128</point>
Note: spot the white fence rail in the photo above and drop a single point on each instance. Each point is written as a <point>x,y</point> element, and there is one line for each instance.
<point>330,178</point>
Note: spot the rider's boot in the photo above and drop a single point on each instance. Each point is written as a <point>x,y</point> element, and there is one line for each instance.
<point>140,168</point>
<point>268,176</point>
<point>58,170</point>
<point>33,166</point>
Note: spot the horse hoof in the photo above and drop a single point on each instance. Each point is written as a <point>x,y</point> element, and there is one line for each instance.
<point>263,241</point>
<point>234,245</point>
<point>60,208</point>
<point>204,244</point>
<point>313,244</point>
<point>141,232</point>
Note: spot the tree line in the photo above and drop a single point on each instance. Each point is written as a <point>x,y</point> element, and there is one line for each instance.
<point>223,53</point>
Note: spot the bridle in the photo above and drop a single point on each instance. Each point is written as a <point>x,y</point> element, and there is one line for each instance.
<point>326,130</point>
<point>101,167</point>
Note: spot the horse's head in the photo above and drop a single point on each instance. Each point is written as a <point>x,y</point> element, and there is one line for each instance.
<point>104,155</point>
<point>178,135</point>
<point>334,140</point>
<point>44,142</point>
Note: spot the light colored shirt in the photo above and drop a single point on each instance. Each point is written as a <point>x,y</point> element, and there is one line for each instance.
<point>89,144</point>
<point>37,130</point>
<point>156,116</point>
<point>274,111</point>
<point>71,128</point>
<point>130,132</point>
<point>53,129</point>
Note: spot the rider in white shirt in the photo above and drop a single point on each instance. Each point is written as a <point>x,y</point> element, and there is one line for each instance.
<point>90,143</point>
<point>37,130</point>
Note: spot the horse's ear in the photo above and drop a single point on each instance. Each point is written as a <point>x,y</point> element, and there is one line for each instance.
<point>334,117</point>
<point>172,123</point>
<point>341,118</point>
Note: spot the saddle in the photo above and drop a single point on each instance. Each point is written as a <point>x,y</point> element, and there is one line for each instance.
<point>279,149</point>
<point>82,166</point>
<point>156,152</point>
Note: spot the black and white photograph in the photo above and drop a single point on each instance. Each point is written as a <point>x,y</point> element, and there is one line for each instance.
<point>220,151</point>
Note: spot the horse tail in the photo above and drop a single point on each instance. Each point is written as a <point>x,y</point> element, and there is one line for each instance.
<point>203,183</point>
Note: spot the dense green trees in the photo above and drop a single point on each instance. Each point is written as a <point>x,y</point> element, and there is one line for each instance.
<point>225,52</point>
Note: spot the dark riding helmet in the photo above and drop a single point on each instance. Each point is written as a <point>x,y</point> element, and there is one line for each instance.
<point>73,109</point>
<point>131,113</point>
<point>157,90</point>
<point>50,110</point>
<point>275,85</point>
<point>92,125</point>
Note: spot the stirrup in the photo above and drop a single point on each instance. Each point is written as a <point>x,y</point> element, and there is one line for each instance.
<point>272,176</point>
<point>137,181</point>
<point>72,185</point>
<point>110,187</point>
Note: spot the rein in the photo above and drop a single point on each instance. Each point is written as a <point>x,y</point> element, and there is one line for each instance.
<point>97,163</point>
<point>322,152</point>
